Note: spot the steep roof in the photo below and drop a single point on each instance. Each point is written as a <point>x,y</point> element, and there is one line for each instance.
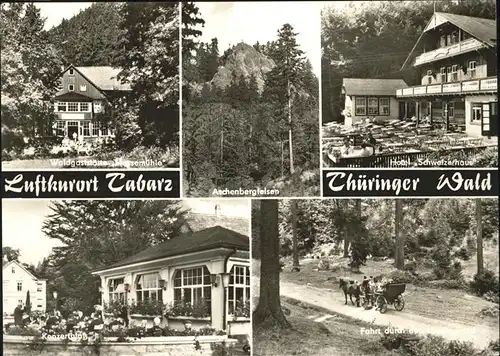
<point>206,239</point>
<point>367,86</point>
<point>103,77</point>
<point>8,264</point>
<point>485,30</point>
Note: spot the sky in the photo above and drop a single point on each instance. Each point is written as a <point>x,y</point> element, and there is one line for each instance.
<point>22,222</point>
<point>234,22</point>
<point>56,11</point>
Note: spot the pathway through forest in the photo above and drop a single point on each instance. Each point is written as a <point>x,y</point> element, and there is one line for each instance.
<point>480,335</point>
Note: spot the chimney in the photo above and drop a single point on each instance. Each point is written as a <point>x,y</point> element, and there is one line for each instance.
<point>217,211</point>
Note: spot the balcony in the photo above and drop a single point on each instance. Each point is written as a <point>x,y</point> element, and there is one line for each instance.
<point>484,85</point>
<point>468,45</point>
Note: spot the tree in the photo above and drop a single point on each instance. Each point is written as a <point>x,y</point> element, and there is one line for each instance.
<point>479,236</point>
<point>399,237</point>
<point>293,210</point>
<point>150,63</point>
<point>10,254</point>
<point>269,308</point>
<point>27,307</point>
<point>29,66</point>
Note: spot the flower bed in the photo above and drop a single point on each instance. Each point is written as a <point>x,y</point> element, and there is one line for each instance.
<point>164,346</point>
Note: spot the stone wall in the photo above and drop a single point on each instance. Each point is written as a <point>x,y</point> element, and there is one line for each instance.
<point>150,346</point>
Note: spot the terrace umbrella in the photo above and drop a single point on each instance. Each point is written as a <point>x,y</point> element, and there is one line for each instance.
<point>27,308</point>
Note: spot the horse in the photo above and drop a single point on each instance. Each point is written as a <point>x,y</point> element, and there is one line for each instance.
<point>351,289</point>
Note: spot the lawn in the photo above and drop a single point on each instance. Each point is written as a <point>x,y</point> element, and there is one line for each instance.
<point>339,336</point>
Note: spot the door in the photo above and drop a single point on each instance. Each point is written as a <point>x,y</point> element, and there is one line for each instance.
<point>73,129</point>
<point>489,119</point>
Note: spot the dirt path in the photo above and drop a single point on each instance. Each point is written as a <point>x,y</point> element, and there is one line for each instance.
<point>480,335</point>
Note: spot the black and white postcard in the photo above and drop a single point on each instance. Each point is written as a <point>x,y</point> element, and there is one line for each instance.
<point>250,99</point>
<point>409,84</point>
<point>90,85</point>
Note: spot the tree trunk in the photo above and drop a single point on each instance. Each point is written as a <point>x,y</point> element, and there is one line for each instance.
<point>290,145</point>
<point>347,241</point>
<point>268,311</point>
<point>295,247</point>
<point>400,243</point>
<point>479,233</point>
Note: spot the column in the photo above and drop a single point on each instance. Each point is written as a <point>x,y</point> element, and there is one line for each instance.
<point>446,115</point>
<point>406,109</point>
<point>218,296</point>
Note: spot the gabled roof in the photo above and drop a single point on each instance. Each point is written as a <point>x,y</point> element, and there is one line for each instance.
<point>367,86</point>
<point>8,264</point>
<point>103,77</point>
<point>207,239</point>
<point>485,30</point>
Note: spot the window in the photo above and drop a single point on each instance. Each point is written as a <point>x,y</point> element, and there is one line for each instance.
<point>148,287</point>
<point>429,77</point>
<point>442,41</point>
<point>71,87</point>
<point>71,71</point>
<point>372,106</point>
<point>84,106</point>
<point>116,289</point>
<point>450,107</point>
<point>442,72</point>
<point>19,286</point>
<point>61,106</point>
<point>454,37</point>
<point>39,306</point>
<point>385,106</point>
<point>60,128</point>
<point>192,285</point>
<point>454,73</point>
<point>85,128</point>
<point>39,289</point>
<point>477,113</point>
<point>239,289</point>
<point>472,69</point>
<point>360,106</point>
<point>97,106</point>
<point>83,88</point>
<point>13,270</point>
<point>73,107</point>
<point>95,128</point>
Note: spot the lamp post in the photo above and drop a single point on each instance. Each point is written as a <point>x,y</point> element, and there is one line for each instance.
<point>225,284</point>
<point>54,294</point>
<point>126,287</point>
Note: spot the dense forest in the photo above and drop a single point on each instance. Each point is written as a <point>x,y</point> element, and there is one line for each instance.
<point>250,114</point>
<point>142,39</point>
<point>373,39</point>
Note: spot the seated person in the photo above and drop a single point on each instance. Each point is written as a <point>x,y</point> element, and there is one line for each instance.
<point>346,149</point>
<point>366,151</point>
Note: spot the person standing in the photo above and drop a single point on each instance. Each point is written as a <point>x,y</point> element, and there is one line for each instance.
<point>18,314</point>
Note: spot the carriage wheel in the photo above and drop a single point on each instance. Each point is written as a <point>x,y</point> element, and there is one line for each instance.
<point>399,303</point>
<point>381,304</point>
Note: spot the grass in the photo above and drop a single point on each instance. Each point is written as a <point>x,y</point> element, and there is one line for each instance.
<point>339,336</point>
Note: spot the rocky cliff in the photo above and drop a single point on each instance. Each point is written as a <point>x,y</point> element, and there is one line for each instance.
<point>243,60</point>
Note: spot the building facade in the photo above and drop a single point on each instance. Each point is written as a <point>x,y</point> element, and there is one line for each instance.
<point>81,103</point>
<point>457,60</point>
<point>17,281</point>
<point>370,98</point>
<point>188,269</point>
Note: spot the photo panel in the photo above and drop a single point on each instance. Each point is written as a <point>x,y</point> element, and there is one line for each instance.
<point>409,84</point>
<point>374,276</point>
<point>250,96</point>
<point>127,275</point>
<point>90,85</point>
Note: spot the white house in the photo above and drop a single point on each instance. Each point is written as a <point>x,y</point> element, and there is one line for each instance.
<point>374,98</point>
<point>17,281</point>
<point>209,266</point>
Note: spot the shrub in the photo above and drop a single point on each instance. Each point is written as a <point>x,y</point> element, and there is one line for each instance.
<point>448,283</point>
<point>442,257</point>
<point>324,264</point>
<point>399,276</point>
<point>437,346</point>
<point>410,266</point>
<point>20,331</point>
<point>495,345</point>
<point>485,282</point>
<point>147,307</point>
<point>463,253</point>
<point>399,340</point>
<point>492,297</point>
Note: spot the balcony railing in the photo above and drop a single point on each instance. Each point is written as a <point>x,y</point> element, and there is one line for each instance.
<point>469,86</point>
<point>468,45</point>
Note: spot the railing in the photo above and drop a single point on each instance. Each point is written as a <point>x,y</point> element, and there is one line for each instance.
<point>478,85</point>
<point>468,45</point>
<point>395,160</point>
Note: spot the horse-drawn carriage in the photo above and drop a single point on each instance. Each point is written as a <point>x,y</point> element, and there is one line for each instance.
<point>392,293</point>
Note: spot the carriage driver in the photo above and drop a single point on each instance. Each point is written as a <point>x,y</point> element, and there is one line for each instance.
<point>366,288</point>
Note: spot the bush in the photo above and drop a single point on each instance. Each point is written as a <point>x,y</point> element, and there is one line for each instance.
<point>324,264</point>
<point>492,297</point>
<point>437,346</point>
<point>485,282</point>
<point>463,253</point>
<point>399,276</point>
<point>402,340</point>
<point>442,257</point>
<point>447,284</point>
